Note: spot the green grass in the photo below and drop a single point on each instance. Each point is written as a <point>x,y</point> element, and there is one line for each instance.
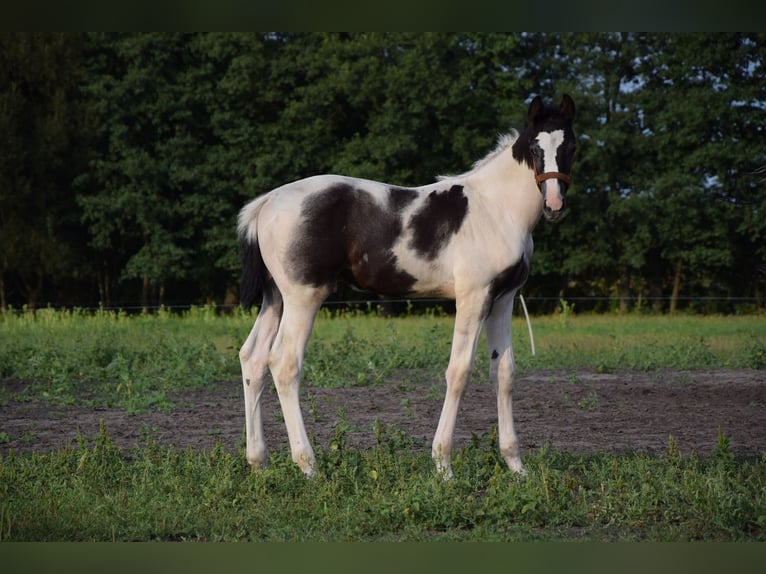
<point>112,359</point>
<point>92,490</point>
<point>138,362</point>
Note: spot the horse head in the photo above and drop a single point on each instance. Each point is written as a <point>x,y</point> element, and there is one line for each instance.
<point>547,145</point>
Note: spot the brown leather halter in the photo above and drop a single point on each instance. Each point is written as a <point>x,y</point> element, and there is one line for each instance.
<point>541,177</point>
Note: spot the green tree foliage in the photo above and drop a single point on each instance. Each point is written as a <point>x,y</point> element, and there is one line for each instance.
<point>667,192</point>
<point>126,157</point>
<point>143,197</point>
<point>41,121</point>
<point>700,105</point>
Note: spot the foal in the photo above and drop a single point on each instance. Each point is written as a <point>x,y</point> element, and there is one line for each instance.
<point>465,237</point>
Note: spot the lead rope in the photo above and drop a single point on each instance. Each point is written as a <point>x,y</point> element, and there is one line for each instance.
<point>529,325</point>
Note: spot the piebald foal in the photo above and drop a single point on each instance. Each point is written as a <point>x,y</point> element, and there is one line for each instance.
<point>465,237</point>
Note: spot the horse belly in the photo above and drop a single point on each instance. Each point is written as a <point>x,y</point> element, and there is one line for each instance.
<point>376,270</point>
<point>381,274</point>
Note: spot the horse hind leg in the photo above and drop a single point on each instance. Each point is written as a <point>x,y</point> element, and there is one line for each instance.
<point>254,360</point>
<point>286,365</point>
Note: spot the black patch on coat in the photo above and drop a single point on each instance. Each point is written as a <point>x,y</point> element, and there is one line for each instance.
<point>565,154</point>
<point>509,279</point>
<point>400,197</point>
<point>345,234</point>
<point>437,221</point>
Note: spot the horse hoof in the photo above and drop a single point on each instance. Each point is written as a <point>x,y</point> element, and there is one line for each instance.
<point>258,459</point>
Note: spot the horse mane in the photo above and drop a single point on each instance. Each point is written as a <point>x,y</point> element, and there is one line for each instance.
<point>504,142</point>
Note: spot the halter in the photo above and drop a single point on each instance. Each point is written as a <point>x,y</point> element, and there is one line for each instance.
<point>541,177</point>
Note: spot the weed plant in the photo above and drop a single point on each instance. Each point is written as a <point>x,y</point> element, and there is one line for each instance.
<point>91,490</point>
<point>113,359</point>
<point>139,362</point>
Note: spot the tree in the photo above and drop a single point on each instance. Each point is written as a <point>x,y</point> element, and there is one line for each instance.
<point>40,152</point>
<point>159,201</point>
<point>671,132</point>
<point>597,249</point>
<point>126,157</point>
<point>704,103</point>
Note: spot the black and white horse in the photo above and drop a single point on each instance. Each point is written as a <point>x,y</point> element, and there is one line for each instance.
<point>465,237</point>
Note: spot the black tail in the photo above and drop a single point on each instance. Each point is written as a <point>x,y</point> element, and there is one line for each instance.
<point>254,273</point>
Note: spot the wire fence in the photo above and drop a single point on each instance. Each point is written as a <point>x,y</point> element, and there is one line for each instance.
<point>536,305</point>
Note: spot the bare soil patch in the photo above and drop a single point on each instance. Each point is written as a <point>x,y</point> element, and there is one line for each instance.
<point>575,411</point>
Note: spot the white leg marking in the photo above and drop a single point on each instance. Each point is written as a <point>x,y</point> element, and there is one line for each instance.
<point>468,323</point>
<point>501,373</point>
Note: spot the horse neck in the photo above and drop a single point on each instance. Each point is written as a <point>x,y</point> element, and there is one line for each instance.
<point>510,186</point>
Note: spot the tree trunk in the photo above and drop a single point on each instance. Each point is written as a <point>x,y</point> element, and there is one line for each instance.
<point>676,286</point>
<point>145,294</point>
<point>104,294</point>
<point>656,295</point>
<point>33,293</point>
<point>624,290</point>
<point>230,298</point>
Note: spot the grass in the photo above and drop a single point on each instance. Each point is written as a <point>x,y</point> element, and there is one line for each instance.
<point>107,359</point>
<point>92,490</point>
<point>138,362</point>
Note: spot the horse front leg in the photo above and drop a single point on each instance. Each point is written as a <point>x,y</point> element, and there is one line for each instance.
<point>501,373</point>
<point>468,323</point>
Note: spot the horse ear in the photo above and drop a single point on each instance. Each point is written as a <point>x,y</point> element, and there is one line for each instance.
<point>567,107</point>
<point>534,109</point>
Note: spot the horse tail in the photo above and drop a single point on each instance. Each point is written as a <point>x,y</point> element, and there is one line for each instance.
<point>254,272</point>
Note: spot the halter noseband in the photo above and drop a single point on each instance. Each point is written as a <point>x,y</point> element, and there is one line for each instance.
<point>541,177</point>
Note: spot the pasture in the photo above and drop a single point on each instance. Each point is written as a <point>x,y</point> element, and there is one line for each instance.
<point>117,427</point>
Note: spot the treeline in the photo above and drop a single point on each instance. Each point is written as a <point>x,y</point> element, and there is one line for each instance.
<point>124,158</point>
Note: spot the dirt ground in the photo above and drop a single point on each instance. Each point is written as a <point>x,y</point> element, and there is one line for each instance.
<point>575,411</point>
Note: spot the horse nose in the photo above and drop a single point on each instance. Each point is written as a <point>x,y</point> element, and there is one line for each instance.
<point>554,215</point>
<point>553,199</point>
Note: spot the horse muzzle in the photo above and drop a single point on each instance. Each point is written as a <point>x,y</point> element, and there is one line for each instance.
<point>554,200</point>
<point>554,213</point>
<point>553,186</point>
